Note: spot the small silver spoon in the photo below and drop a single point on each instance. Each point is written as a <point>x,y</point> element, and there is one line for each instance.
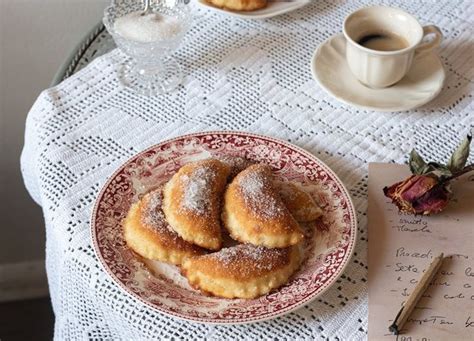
<point>147,9</point>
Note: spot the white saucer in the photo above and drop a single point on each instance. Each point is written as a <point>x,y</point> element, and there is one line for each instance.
<point>422,83</point>
<point>274,8</point>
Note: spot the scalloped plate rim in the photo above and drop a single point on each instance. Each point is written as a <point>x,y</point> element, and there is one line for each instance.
<point>284,311</point>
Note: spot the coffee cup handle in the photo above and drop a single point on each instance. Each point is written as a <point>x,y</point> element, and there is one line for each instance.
<point>430,45</point>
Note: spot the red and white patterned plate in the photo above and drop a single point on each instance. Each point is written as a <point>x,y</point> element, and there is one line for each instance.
<point>161,287</point>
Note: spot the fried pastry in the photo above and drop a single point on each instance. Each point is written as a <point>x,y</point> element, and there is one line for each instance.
<point>236,164</point>
<point>192,202</point>
<point>300,203</point>
<point>239,5</point>
<point>254,212</point>
<point>242,271</point>
<point>148,234</point>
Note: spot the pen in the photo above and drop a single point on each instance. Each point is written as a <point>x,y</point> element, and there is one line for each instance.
<point>415,296</point>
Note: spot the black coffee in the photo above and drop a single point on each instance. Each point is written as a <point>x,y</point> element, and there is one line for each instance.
<point>384,41</point>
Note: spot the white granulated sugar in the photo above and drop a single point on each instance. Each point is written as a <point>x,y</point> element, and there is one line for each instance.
<point>287,190</point>
<point>227,255</point>
<point>257,193</point>
<point>152,213</point>
<point>198,190</point>
<point>256,257</point>
<point>147,28</point>
<point>253,185</point>
<point>236,163</point>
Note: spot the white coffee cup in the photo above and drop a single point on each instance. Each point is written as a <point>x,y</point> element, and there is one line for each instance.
<point>379,69</point>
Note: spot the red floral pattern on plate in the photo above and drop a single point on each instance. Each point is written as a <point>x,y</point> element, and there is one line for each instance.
<point>161,287</point>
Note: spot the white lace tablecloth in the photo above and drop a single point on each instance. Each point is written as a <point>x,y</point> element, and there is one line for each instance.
<point>241,75</point>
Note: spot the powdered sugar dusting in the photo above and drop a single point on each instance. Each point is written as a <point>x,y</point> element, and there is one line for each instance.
<point>197,190</point>
<point>257,189</point>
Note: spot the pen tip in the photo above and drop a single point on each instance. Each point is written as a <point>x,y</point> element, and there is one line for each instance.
<point>393,329</point>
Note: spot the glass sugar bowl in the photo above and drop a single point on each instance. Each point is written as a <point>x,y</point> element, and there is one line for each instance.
<point>149,40</point>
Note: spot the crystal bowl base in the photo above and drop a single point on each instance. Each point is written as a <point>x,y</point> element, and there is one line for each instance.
<point>164,80</point>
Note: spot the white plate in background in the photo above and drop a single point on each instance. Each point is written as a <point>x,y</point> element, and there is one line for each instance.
<point>274,8</point>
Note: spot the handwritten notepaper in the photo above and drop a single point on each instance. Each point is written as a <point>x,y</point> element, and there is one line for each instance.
<point>402,246</point>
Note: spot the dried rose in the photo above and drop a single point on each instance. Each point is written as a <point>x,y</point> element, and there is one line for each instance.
<point>419,194</point>
<point>428,190</point>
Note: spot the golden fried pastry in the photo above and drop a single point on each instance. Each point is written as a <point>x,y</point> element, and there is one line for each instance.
<point>192,202</point>
<point>148,234</point>
<point>300,203</point>
<point>254,212</point>
<point>236,164</point>
<point>242,271</point>
<point>239,5</point>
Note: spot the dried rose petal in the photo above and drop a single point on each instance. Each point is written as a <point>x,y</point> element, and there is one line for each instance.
<point>419,194</point>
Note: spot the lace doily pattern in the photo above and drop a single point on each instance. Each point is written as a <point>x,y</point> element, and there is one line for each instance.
<point>242,75</point>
